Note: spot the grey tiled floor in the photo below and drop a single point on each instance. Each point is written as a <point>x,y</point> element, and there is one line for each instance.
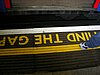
<point>85,71</point>
<point>64,3</point>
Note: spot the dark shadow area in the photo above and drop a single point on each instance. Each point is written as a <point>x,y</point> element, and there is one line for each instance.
<point>48,20</point>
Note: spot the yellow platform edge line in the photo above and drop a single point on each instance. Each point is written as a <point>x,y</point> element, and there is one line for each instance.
<point>40,50</point>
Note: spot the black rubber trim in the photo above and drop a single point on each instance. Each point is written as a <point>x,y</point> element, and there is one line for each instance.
<point>49,62</point>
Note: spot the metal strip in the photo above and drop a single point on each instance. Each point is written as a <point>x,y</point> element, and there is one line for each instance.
<point>50,29</point>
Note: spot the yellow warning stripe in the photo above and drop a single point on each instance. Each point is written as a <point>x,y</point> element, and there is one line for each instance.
<point>39,50</point>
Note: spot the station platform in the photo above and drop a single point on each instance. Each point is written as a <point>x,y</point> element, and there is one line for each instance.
<point>43,37</point>
<point>47,49</point>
